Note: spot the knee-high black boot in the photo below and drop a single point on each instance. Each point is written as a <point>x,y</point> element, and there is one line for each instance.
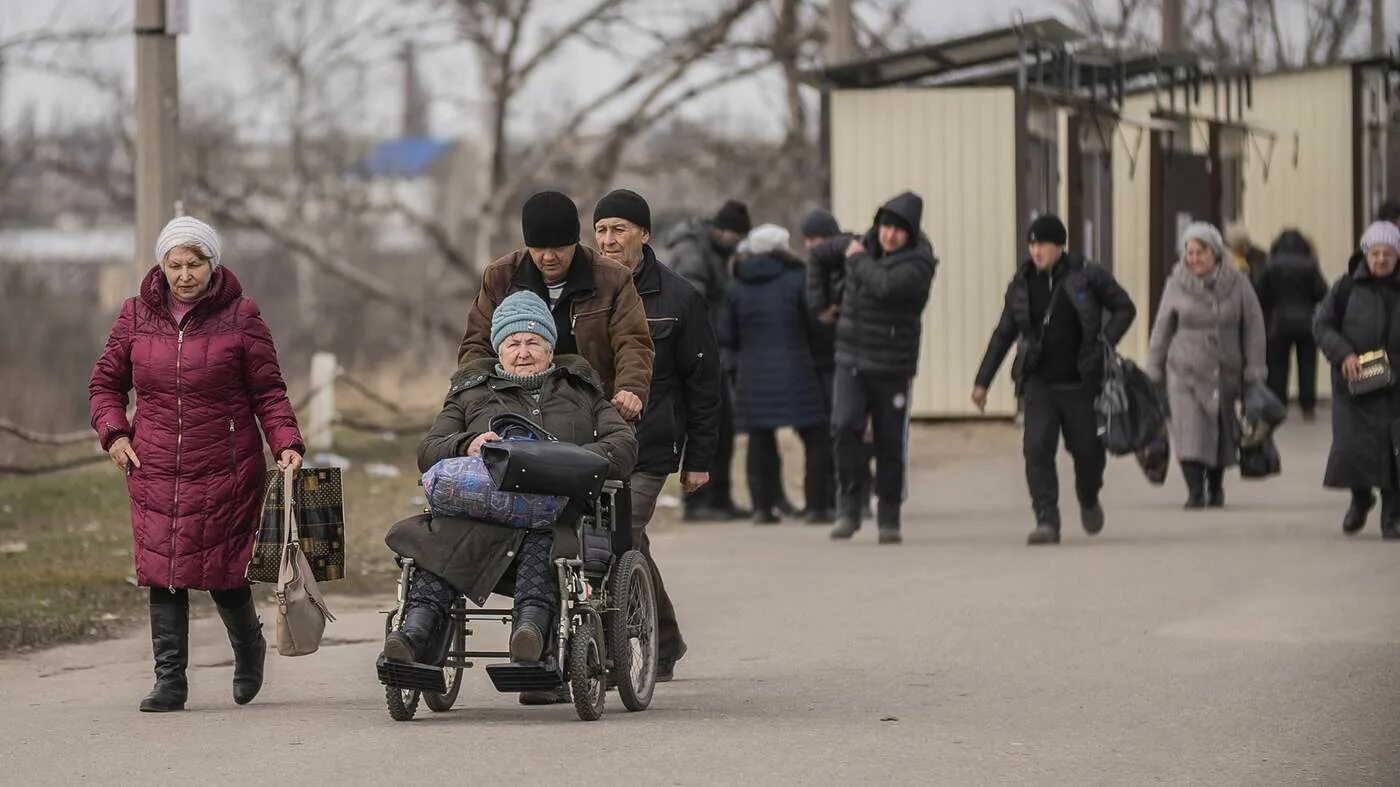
<point>429,601</point>
<point>245,634</point>
<point>1362,500</point>
<point>1215,487</point>
<point>1390,514</point>
<point>170,644</point>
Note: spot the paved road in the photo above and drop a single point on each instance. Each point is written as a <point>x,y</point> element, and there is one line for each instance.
<point>1253,645</point>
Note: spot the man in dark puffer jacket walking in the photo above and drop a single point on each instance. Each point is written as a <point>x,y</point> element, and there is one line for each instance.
<point>1055,314</point>
<point>888,278</point>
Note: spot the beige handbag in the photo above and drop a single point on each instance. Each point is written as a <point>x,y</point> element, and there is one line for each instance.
<point>301,610</point>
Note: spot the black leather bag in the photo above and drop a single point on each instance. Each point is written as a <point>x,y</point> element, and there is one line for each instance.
<point>545,467</point>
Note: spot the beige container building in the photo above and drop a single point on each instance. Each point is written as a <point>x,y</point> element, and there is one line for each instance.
<point>997,128</point>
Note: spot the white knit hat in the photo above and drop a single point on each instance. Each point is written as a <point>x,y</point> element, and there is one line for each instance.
<point>1205,233</point>
<point>1381,233</point>
<point>767,238</point>
<point>189,231</point>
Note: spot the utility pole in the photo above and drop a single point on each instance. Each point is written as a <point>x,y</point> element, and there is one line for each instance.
<point>1378,45</point>
<point>1173,17</point>
<point>841,41</point>
<point>157,121</point>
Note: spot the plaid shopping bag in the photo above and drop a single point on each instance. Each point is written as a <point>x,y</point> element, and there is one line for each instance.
<point>318,503</point>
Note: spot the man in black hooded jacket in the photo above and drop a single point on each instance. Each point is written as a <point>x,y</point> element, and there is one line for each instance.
<point>888,278</point>
<point>1054,313</point>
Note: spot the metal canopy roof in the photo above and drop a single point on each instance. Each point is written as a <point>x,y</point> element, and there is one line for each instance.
<point>951,55</point>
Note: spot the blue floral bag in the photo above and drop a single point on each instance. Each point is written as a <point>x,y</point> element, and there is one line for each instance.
<point>461,486</point>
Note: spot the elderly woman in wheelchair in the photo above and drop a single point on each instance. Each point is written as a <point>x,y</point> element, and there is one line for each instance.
<point>561,397</point>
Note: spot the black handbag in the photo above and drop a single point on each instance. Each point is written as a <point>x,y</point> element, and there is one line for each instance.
<point>517,427</point>
<point>1376,374</point>
<point>545,467</point>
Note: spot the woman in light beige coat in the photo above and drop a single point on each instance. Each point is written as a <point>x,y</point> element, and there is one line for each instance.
<point>1207,344</point>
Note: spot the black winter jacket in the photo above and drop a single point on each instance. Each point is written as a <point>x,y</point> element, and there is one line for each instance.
<point>826,281</point>
<point>883,304</point>
<point>1289,291</point>
<point>691,252</point>
<point>1092,290</point>
<point>682,416</point>
<point>766,326</point>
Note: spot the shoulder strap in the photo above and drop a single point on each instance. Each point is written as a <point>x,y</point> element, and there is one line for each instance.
<point>1339,302</point>
<point>289,522</point>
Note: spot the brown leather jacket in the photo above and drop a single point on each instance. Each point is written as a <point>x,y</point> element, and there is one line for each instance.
<point>604,314</point>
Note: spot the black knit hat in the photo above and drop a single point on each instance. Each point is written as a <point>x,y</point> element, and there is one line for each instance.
<point>549,220</point>
<point>819,224</point>
<point>734,216</point>
<point>624,204</point>
<point>1047,228</point>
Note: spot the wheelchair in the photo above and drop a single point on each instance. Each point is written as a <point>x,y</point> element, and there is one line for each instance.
<point>606,629</point>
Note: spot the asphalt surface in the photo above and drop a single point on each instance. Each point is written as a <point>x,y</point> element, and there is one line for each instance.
<point>1250,645</point>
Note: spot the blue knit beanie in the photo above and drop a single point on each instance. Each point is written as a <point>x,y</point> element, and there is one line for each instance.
<point>520,312</point>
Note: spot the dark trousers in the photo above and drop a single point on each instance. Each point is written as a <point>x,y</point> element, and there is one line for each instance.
<point>827,379</point>
<point>765,462</point>
<point>1049,412</point>
<point>1303,346</point>
<point>646,487</point>
<point>883,401</point>
<point>719,493</point>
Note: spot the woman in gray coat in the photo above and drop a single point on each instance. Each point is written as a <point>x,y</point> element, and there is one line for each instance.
<point>1207,344</point>
<point>1356,317</point>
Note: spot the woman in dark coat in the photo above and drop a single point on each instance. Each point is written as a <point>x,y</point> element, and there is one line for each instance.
<point>1290,288</point>
<point>766,325</point>
<point>455,556</point>
<point>1356,317</point>
<point>205,372</point>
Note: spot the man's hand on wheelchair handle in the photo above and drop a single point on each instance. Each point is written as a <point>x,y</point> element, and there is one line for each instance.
<point>692,480</point>
<point>628,404</point>
<point>485,437</point>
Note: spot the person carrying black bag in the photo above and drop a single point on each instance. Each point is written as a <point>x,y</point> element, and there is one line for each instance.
<point>1055,315</point>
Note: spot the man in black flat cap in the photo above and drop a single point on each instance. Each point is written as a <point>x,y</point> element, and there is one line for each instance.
<point>701,251</point>
<point>597,311</point>
<point>680,425</point>
<point>1055,313</point>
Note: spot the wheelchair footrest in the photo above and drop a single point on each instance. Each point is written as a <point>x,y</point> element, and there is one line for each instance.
<point>534,676</point>
<point>420,677</point>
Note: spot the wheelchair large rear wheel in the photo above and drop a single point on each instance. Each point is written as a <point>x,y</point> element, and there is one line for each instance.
<point>587,675</point>
<point>632,637</point>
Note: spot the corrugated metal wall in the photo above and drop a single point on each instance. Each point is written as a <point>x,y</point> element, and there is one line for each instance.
<point>956,148</point>
<point>1132,179</point>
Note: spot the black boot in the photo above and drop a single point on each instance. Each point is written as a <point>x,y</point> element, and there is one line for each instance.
<point>1195,475</point>
<point>1091,517</point>
<point>558,696</point>
<point>170,643</point>
<point>887,518</point>
<point>847,518</point>
<point>249,649</point>
<point>1215,487</point>
<point>1361,503</point>
<point>1047,527</point>
<point>1390,515</point>
<point>409,644</point>
<point>530,633</point>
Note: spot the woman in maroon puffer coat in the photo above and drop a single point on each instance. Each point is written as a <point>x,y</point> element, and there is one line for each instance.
<point>203,365</point>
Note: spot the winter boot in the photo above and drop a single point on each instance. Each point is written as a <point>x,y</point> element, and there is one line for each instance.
<point>1091,517</point>
<point>1390,514</point>
<point>888,520</point>
<point>820,516</point>
<point>170,643</point>
<point>410,643</point>
<point>529,634</point>
<point>1215,487</point>
<point>1047,527</point>
<point>1362,500</point>
<point>847,518</point>
<point>765,516</point>
<point>1195,475</point>
<point>249,649</point>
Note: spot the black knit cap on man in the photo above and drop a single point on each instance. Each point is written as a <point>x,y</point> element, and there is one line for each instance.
<point>889,275</point>
<point>1055,314</point>
<point>680,425</point>
<point>700,250</point>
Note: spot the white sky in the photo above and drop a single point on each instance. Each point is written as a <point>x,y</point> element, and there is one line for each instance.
<point>215,60</point>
